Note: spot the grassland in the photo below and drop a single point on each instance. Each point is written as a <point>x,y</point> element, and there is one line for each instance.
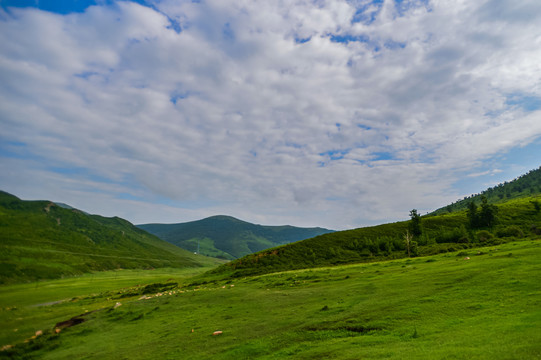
<point>482,303</point>
<point>28,307</point>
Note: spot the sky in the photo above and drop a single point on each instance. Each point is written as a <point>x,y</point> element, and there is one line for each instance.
<point>339,114</point>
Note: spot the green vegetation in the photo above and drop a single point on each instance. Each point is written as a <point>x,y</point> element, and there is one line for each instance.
<point>485,217</point>
<point>28,307</point>
<point>527,185</point>
<point>415,223</point>
<point>228,238</point>
<point>40,240</point>
<point>474,304</point>
<point>440,233</point>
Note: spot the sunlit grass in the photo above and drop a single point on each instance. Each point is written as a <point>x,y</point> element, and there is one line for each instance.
<point>440,307</point>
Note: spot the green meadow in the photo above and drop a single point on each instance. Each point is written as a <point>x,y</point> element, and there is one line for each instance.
<point>482,303</point>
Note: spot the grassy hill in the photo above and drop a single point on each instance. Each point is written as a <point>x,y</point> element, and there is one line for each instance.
<point>516,219</point>
<point>484,304</point>
<point>526,185</point>
<point>227,237</point>
<point>41,240</point>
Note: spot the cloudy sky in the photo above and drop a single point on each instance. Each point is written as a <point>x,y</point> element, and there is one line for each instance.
<point>338,113</point>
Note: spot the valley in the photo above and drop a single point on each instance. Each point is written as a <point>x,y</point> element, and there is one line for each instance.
<point>458,284</point>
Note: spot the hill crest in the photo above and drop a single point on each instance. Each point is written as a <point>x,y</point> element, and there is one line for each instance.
<point>227,237</point>
<point>42,240</point>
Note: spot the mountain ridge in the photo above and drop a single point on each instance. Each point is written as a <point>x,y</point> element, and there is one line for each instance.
<point>227,237</point>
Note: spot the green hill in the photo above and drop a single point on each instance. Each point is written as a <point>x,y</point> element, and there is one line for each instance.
<point>517,218</point>
<point>227,237</point>
<point>41,240</point>
<point>525,185</point>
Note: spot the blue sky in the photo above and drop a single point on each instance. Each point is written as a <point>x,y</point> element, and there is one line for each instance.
<point>60,6</point>
<point>338,113</point>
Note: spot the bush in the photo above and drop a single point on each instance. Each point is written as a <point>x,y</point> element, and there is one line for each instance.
<point>510,231</point>
<point>484,236</point>
<point>457,235</point>
<point>535,229</point>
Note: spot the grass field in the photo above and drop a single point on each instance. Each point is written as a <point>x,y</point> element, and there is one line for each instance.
<point>26,308</point>
<point>440,307</point>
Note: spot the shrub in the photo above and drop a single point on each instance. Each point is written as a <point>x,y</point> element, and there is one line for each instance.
<point>510,231</point>
<point>484,236</point>
<point>457,235</point>
<point>535,229</point>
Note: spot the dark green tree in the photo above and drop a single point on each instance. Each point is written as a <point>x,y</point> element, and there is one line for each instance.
<point>473,217</point>
<point>487,214</point>
<point>415,223</point>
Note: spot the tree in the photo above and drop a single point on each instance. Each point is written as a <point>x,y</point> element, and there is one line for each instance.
<point>472,215</point>
<point>415,223</point>
<point>411,246</point>
<point>487,215</point>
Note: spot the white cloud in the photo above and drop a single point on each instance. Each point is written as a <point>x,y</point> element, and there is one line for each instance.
<point>255,110</point>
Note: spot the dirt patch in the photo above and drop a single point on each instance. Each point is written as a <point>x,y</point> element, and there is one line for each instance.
<point>69,323</point>
<point>48,207</point>
<point>76,320</point>
<point>351,328</point>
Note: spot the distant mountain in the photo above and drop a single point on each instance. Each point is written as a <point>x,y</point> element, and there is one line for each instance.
<point>227,237</point>
<point>525,185</point>
<point>42,240</point>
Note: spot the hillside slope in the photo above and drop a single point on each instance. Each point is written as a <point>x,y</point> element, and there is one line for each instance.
<point>517,218</point>
<point>40,240</point>
<point>525,185</point>
<point>227,237</point>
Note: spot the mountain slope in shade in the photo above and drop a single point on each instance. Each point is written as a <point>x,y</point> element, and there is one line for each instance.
<point>41,240</point>
<point>227,237</point>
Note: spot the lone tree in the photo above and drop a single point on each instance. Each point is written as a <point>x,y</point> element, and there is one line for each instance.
<point>415,223</point>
